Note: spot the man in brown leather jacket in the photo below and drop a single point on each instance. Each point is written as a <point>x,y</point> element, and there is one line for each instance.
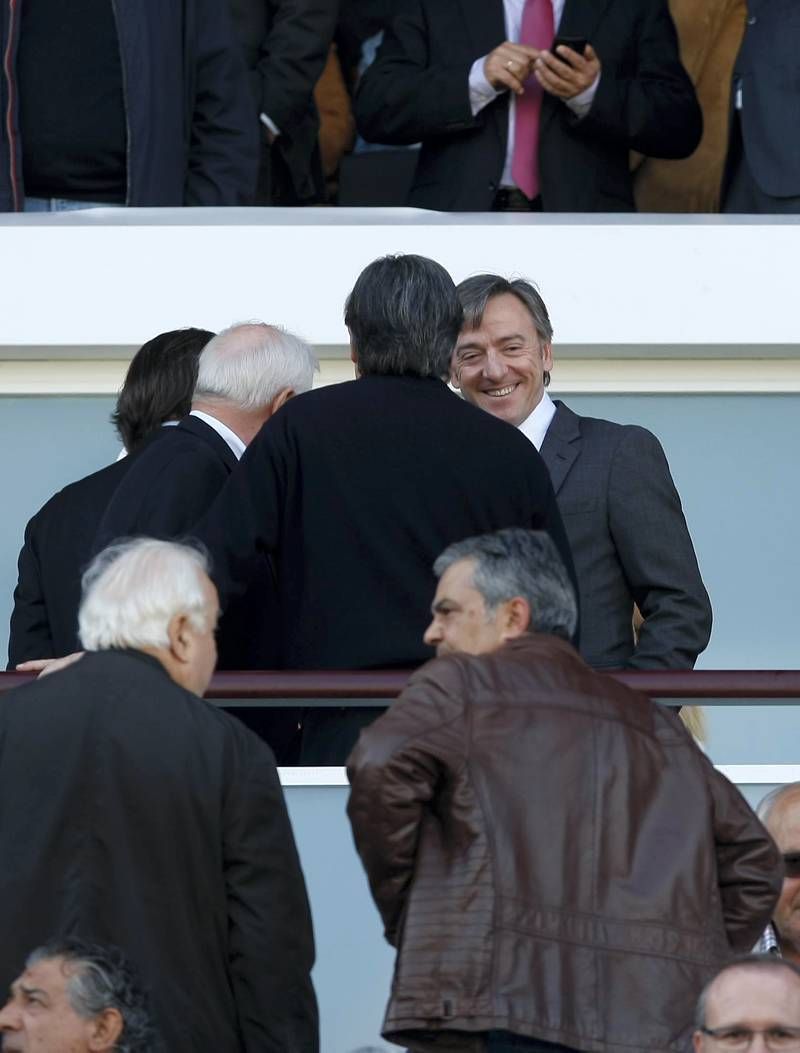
<point>558,864</point>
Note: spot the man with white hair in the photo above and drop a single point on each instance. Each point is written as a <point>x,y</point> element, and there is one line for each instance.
<point>136,814</point>
<point>246,373</point>
<point>779,811</point>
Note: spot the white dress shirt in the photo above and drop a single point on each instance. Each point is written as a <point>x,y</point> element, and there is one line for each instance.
<point>481,93</point>
<point>535,426</point>
<point>231,438</point>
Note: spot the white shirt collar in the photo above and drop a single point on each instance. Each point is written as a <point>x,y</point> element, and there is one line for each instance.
<point>535,426</point>
<point>231,438</point>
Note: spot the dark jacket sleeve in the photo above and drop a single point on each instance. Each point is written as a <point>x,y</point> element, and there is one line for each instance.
<point>394,772</point>
<point>652,540</point>
<point>271,944</point>
<point>223,146</point>
<point>402,98</point>
<point>652,107</point>
<point>293,57</point>
<point>749,867</point>
<point>30,635</point>
<point>245,519</point>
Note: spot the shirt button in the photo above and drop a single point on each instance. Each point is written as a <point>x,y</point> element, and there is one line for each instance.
<point>751,21</point>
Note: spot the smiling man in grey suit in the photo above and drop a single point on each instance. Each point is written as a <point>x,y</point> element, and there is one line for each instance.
<point>621,511</point>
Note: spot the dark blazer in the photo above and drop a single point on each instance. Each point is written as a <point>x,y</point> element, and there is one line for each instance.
<point>169,488</point>
<point>57,547</point>
<point>630,543</point>
<point>190,137</point>
<point>356,488</point>
<point>417,90</point>
<point>55,551</point>
<point>164,830</point>
<point>770,74</point>
<point>286,46</point>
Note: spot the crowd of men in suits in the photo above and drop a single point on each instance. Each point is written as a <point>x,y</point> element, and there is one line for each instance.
<point>558,864</point>
<point>516,105</point>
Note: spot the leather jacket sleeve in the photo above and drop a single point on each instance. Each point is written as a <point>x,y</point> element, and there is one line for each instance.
<point>394,772</point>
<point>749,867</point>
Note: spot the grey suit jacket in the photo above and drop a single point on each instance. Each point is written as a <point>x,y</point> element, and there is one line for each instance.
<point>630,543</point>
<point>770,74</point>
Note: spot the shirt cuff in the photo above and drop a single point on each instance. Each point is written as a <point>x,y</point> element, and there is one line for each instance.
<point>582,103</point>
<point>481,93</point>
<point>269,124</point>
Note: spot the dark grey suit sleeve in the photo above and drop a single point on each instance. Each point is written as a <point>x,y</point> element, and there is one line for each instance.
<point>271,944</point>
<point>293,57</point>
<point>651,107</point>
<point>403,98</point>
<point>657,556</point>
<point>30,635</point>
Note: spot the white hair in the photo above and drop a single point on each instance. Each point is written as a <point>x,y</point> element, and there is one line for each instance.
<point>250,363</point>
<point>134,588</point>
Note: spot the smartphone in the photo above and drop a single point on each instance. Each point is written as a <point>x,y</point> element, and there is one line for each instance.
<point>576,43</point>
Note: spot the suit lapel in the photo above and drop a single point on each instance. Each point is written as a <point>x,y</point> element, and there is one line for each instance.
<point>562,444</point>
<point>486,28</point>
<point>485,24</point>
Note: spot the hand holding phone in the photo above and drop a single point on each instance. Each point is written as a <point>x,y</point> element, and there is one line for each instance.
<point>577,44</point>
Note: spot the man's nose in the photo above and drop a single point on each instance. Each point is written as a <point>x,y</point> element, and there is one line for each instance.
<point>10,1017</point>
<point>433,634</point>
<point>494,366</point>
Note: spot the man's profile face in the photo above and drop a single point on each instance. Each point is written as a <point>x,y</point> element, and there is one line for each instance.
<point>500,365</point>
<point>751,999</point>
<point>460,620</point>
<point>38,1016</point>
<point>784,826</point>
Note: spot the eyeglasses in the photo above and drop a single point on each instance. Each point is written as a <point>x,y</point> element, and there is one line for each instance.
<point>791,864</point>
<point>777,1038</point>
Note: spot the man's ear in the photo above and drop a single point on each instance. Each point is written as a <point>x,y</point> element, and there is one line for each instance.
<point>547,357</point>
<point>181,638</point>
<point>516,618</point>
<point>280,399</point>
<point>105,1030</point>
<point>454,381</point>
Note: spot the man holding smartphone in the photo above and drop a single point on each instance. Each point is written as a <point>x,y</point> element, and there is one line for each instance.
<point>529,105</point>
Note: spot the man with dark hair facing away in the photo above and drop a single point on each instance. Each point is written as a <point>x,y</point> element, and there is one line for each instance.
<point>557,863</point>
<point>58,540</point>
<point>356,487</point>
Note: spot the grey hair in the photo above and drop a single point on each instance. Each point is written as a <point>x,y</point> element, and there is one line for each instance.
<point>404,317</point>
<point>101,978</point>
<point>767,804</point>
<point>516,562</point>
<point>476,292</point>
<point>746,961</point>
<point>133,589</point>
<point>248,364</point>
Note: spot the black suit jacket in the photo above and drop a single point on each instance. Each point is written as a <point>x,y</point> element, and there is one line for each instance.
<point>56,550</point>
<point>286,46</point>
<point>356,488</point>
<point>630,543</point>
<point>165,832</point>
<point>769,70</point>
<point>171,485</point>
<point>417,90</point>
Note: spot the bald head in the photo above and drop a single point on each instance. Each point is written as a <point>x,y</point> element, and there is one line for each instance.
<point>756,994</point>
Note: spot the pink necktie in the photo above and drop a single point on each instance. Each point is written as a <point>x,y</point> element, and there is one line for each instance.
<point>537,31</point>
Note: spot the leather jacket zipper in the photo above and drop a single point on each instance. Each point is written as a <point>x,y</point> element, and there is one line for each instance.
<point>12,100</point>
